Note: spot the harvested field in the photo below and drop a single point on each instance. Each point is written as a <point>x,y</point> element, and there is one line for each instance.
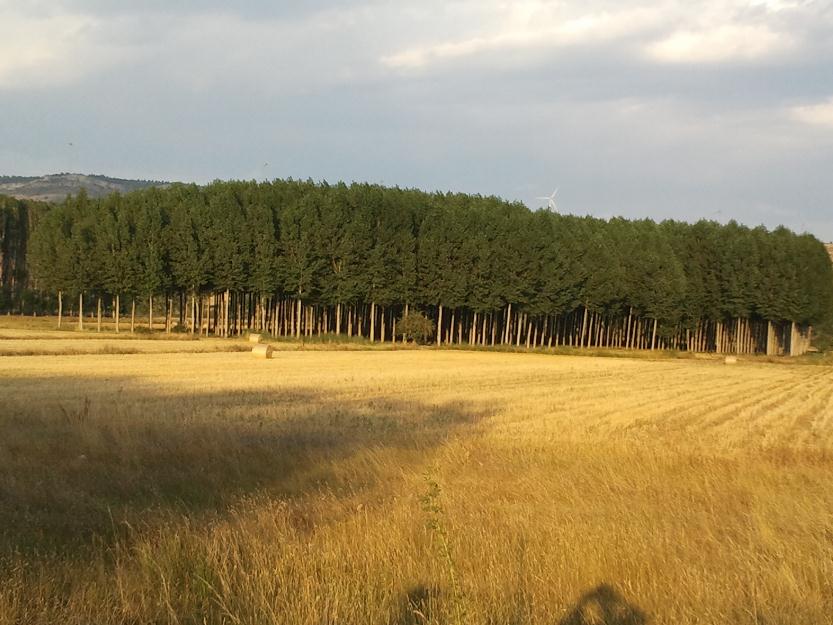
<point>415,486</point>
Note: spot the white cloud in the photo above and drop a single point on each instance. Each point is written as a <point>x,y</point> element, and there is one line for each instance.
<point>820,114</point>
<point>276,56</point>
<point>776,5</point>
<point>664,31</point>
<point>728,42</point>
<point>524,29</point>
<point>49,49</point>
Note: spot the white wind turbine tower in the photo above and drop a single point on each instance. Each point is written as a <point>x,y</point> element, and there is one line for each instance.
<point>551,205</point>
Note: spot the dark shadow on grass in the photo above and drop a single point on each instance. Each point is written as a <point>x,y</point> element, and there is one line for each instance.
<point>603,605</point>
<point>417,606</point>
<point>71,470</point>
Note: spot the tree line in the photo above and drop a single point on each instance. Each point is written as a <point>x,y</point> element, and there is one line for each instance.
<point>297,258</point>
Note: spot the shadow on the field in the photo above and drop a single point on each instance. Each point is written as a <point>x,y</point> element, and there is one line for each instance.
<point>73,469</point>
<point>417,606</point>
<point>603,605</point>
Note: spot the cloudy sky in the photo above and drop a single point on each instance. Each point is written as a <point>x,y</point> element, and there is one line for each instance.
<point>669,109</point>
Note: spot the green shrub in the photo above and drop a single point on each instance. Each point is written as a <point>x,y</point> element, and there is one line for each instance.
<point>415,327</point>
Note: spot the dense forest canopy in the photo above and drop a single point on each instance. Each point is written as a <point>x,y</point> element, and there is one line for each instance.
<point>296,257</point>
<point>17,222</point>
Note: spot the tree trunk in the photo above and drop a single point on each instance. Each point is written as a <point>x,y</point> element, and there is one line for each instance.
<point>150,313</point>
<point>483,333</point>
<point>793,340</point>
<point>583,327</point>
<point>596,329</point>
<point>439,325</point>
<point>552,326</point>
<point>226,312</point>
<point>60,307</point>
<point>212,310</point>
<point>628,330</point>
<point>372,321</point>
<point>654,336</point>
<point>132,315</point>
<point>80,311</point>
<point>637,338</point>
<point>118,313</point>
<point>239,322</point>
<point>275,315</point>
<point>450,335</point>
<point>98,305</point>
<point>205,313</point>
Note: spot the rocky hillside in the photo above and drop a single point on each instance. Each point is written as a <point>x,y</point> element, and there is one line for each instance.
<point>55,187</point>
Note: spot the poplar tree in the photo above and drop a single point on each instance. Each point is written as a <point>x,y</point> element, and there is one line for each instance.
<point>296,256</point>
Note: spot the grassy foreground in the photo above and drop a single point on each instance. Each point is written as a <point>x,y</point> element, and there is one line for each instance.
<point>419,486</point>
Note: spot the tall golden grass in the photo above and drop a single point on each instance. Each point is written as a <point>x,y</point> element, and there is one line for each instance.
<point>413,487</point>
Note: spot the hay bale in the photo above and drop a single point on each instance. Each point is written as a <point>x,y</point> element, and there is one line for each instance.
<point>254,338</point>
<point>262,351</point>
<point>730,360</point>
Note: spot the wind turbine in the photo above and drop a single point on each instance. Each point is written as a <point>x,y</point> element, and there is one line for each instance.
<point>550,200</point>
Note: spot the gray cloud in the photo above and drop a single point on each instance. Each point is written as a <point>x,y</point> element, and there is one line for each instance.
<point>670,110</point>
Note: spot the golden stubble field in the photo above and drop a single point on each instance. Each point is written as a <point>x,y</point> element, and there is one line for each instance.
<point>413,486</point>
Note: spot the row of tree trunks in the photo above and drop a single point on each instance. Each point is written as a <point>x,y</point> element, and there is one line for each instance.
<point>229,313</point>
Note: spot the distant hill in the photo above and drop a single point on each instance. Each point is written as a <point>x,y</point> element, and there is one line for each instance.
<point>55,187</point>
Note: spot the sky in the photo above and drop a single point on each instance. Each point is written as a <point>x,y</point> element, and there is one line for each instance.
<point>669,109</point>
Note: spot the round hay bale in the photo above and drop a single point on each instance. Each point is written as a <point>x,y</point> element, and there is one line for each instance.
<point>254,338</point>
<point>262,351</point>
<point>730,360</point>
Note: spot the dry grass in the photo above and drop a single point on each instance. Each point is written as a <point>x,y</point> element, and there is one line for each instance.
<point>39,336</point>
<point>108,346</point>
<point>414,487</point>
